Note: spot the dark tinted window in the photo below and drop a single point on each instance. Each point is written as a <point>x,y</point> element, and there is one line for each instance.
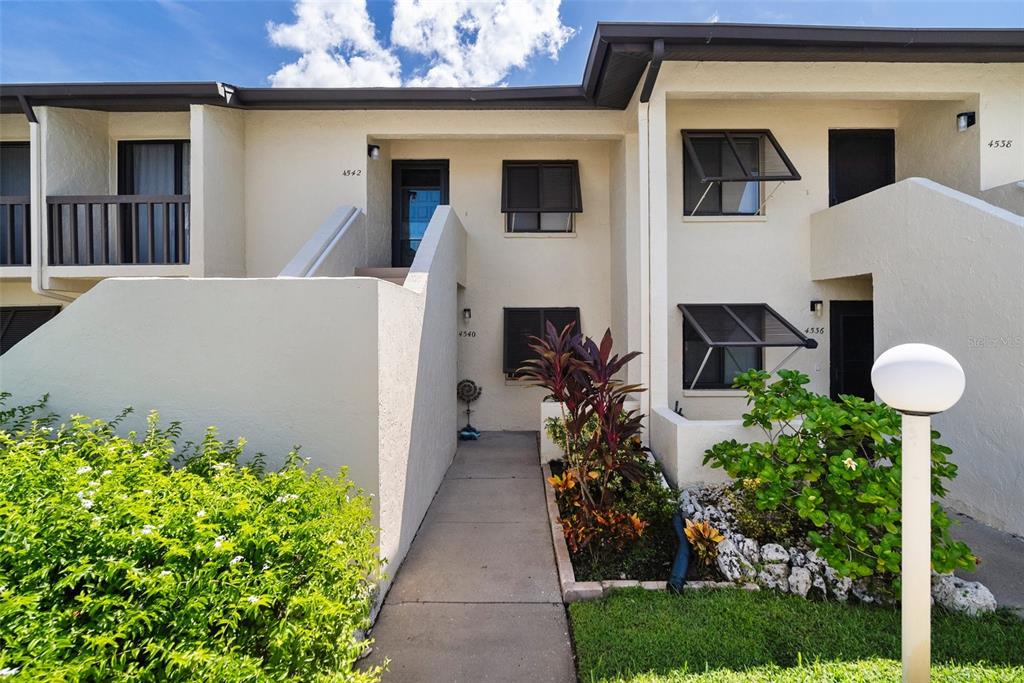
<point>523,323</point>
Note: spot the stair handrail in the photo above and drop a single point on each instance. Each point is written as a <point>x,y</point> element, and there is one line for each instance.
<point>315,251</point>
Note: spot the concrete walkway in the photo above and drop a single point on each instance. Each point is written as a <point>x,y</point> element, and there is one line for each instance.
<point>1002,560</point>
<point>477,597</point>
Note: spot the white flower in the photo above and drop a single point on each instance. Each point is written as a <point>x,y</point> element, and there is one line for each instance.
<point>265,567</point>
<point>200,513</point>
<point>9,671</point>
<point>850,464</point>
<point>148,529</point>
<point>105,473</point>
<point>236,559</point>
<point>147,491</point>
<point>146,454</point>
<point>253,599</point>
<point>165,573</point>
<point>84,469</point>
<point>94,484</point>
<point>221,466</point>
<point>219,542</point>
<point>286,497</point>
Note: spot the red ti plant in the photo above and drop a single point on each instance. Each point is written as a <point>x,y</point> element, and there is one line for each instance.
<point>581,374</point>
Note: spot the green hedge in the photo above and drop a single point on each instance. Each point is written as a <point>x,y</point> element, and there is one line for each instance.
<point>121,560</point>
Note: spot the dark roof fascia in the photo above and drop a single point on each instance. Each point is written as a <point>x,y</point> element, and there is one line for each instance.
<point>628,46</point>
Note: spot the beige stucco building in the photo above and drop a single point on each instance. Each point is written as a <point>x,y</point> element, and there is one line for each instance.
<point>322,266</point>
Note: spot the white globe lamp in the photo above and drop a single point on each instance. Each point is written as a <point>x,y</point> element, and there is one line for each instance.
<point>918,380</point>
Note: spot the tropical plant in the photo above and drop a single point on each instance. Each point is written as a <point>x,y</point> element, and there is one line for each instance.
<point>116,565</point>
<point>600,437</point>
<point>836,466</point>
<point>704,540</point>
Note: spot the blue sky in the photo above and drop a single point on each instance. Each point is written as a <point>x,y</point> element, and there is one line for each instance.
<point>175,40</point>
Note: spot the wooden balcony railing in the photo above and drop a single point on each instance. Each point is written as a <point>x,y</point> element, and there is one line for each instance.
<point>118,230</point>
<point>15,235</point>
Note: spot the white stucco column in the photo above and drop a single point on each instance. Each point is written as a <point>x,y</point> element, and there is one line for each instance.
<point>657,174</point>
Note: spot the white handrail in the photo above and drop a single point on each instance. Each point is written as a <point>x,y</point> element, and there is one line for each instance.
<point>314,253</point>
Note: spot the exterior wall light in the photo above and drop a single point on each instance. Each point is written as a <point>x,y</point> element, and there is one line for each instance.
<point>817,307</point>
<point>467,313</point>
<point>965,120</point>
<point>918,380</point>
<point>373,151</point>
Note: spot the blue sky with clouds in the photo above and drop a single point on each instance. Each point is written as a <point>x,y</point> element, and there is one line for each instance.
<point>174,40</point>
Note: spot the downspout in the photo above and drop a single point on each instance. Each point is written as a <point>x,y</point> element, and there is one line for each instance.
<point>37,200</point>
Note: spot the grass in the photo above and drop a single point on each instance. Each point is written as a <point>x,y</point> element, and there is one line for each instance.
<point>719,636</point>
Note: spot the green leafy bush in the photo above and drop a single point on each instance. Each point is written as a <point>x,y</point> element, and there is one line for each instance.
<point>835,464</point>
<point>115,565</point>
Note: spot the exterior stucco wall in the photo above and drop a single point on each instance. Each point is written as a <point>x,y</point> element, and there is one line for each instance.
<point>521,271</point>
<point>998,87</point>
<point>418,373</point>
<point>75,151</point>
<point>378,207</point>
<point>757,259</point>
<point>948,270</point>
<point>13,128</point>
<point>261,359</point>
<point>218,192</point>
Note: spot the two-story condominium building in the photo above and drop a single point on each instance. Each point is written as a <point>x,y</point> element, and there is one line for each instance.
<point>321,266</point>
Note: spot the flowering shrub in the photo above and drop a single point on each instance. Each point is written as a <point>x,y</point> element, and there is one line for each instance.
<point>835,465</point>
<point>116,565</point>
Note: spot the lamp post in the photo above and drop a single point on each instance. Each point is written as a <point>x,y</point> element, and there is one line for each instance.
<point>919,381</point>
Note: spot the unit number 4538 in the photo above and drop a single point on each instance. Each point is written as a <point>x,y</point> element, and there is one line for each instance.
<point>1000,143</point>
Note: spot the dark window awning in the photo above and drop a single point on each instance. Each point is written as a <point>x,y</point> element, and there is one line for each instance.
<point>734,156</point>
<point>743,325</point>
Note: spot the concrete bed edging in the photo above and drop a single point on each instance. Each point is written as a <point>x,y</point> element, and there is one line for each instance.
<point>575,591</point>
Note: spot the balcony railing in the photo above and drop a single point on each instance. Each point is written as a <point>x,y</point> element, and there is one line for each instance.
<point>118,230</point>
<point>15,244</point>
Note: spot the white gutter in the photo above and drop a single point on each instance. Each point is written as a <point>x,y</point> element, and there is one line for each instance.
<point>37,214</point>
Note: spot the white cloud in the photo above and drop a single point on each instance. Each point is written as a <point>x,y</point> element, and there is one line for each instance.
<point>339,47</point>
<point>463,42</point>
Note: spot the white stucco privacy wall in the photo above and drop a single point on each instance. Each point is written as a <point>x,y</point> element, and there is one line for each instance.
<point>948,270</point>
<point>359,372</point>
<point>418,372</point>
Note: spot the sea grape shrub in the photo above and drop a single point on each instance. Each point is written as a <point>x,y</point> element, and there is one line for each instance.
<point>836,466</point>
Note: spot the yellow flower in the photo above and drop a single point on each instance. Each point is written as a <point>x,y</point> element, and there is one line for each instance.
<point>850,464</point>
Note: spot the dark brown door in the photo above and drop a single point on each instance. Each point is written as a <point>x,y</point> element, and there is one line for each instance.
<point>859,161</point>
<point>417,187</point>
<point>852,340</point>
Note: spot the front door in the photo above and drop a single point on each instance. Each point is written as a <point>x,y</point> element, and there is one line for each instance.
<point>853,348</point>
<point>859,161</point>
<point>417,188</point>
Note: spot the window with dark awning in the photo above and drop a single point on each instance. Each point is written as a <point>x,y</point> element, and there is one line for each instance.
<point>723,170</point>
<point>728,338</point>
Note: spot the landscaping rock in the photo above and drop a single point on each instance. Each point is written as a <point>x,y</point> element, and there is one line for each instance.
<point>775,575</point>
<point>773,552</point>
<point>732,564</point>
<point>800,570</point>
<point>799,581</point>
<point>750,549</point>
<point>969,597</point>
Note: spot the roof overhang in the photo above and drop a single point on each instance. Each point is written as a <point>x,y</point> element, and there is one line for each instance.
<point>619,55</point>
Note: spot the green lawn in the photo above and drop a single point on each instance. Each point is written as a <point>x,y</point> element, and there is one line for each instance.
<point>736,635</point>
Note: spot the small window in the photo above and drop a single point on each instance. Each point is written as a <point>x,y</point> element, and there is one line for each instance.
<point>523,323</point>
<point>723,363</point>
<point>17,322</point>
<point>722,340</point>
<point>540,196</point>
<point>724,171</point>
